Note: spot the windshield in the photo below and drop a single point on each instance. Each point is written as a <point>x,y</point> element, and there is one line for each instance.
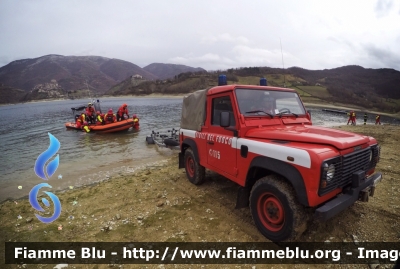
<point>270,103</point>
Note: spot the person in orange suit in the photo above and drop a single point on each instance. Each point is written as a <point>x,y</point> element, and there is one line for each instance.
<point>135,121</point>
<point>350,114</point>
<point>378,119</point>
<point>80,120</point>
<point>353,118</point>
<point>99,118</point>
<point>123,110</point>
<point>90,112</point>
<point>110,117</point>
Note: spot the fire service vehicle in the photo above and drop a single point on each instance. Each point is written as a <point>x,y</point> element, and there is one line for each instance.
<point>288,170</point>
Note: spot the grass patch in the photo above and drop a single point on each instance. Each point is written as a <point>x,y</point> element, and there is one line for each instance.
<point>250,80</point>
<point>317,91</point>
<point>301,92</point>
<point>277,80</point>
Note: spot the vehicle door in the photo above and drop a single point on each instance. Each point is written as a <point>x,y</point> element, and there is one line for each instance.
<point>221,143</point>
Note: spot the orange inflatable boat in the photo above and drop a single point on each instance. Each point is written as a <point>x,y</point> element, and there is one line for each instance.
<point>118,126</point>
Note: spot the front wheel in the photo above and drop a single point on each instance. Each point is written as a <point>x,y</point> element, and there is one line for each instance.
<point>194,171</point>
<point>275,210</point>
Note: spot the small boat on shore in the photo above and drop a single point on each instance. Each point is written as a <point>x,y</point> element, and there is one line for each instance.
<point>118,126</point>
<point>163,140</point>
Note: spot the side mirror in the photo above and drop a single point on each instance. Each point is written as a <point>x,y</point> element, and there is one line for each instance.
<point>224,119</point>
<point>309,114</point>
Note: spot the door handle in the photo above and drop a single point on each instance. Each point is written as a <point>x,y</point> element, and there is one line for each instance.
<point>210,142</point>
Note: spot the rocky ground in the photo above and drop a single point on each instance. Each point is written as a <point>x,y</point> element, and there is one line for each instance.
<point>158,204</point>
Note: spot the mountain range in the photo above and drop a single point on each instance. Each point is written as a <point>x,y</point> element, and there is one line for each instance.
<point>76,72</point>
<point>57,76</point>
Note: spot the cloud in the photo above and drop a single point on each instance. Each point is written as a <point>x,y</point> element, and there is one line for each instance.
<point>225,37</point>
<point>385,57</point>
<point>209,61</point>
<point>255,56</point>
<point>208,34</point>
<point>237,56</point>
<point>383,7</point>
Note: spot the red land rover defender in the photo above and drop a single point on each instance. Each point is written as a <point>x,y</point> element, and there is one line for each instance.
<point>262,138</point>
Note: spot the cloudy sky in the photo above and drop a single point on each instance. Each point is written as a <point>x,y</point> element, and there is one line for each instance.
<point>212,34</point>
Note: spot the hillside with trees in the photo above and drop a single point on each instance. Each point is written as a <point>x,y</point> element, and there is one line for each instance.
<point>166,71</point>
<point>70,77</point>
<point>352,85</point>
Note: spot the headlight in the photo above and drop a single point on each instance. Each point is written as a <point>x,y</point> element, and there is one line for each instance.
<point>328,174</point>
<point>329,171</point>
<point>370,155</point>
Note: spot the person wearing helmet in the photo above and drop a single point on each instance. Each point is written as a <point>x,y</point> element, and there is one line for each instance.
<point>353,118</point>
<point>90,112</point>
<point>365,118</point>
<point>123,110</point>
<point>135,121</point>
<point>99,118</point>
<point>350,115</point>
<point>80,120</point>
<point>378,119</point>
<point>110,117</point>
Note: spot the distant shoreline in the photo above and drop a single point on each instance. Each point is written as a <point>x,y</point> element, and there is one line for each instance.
<point>110,97</point>
<point>358,109</point>
<point>175,96</point>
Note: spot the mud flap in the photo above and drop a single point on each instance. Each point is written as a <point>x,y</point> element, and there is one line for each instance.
<point>243,196</point>
<point>180,158</point>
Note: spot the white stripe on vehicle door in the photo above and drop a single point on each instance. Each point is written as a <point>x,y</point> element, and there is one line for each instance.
<point>301,157</point>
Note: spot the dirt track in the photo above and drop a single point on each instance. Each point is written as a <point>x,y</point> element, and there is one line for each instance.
<point>159,204</point>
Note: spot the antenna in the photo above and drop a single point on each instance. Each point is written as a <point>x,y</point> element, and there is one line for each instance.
<point>283,66</point>
<point>87,86</point>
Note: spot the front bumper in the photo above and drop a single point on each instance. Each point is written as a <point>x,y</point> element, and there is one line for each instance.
<point>343,201</point>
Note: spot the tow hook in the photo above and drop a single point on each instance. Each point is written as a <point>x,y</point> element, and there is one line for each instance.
<point>364,194</point>
<point>372,191</point>
<point>369,191</point>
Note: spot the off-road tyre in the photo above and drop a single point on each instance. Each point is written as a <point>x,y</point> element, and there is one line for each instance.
<point>194,171</point>
<point>275,210</point>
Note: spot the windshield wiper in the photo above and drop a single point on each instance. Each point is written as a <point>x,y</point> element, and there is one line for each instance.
<point>257,111</point>
<point>280,114</point>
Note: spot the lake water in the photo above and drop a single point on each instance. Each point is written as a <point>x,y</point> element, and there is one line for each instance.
<point>88,157</point>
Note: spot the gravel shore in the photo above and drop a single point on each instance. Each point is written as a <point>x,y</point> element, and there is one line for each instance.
<point>158,204</point>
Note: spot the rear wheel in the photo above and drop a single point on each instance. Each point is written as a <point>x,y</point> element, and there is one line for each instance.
<point>275,210</point>
<point>194,171</point>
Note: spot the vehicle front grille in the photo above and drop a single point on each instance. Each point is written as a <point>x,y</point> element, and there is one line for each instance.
<point>346,165</point>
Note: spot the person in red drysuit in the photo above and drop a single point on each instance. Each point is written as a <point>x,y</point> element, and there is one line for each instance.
<point>123,110</point>
<point>110,117</point>
<point>90,112</point>
<point>99,118</point>
<point>80,120</point>
<point>378,119</point>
